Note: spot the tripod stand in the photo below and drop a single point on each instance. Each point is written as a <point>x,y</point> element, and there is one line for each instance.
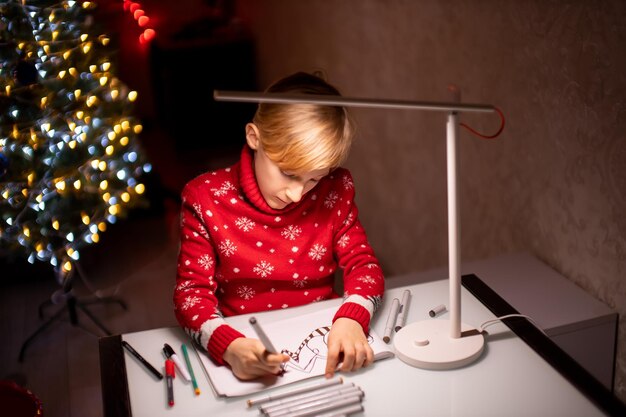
<point>72,305</point>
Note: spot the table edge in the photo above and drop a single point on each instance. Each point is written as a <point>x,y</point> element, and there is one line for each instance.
<point>113,377</point>
<point>552,353</point>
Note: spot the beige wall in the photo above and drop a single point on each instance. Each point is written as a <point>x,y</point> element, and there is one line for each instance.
<point>552,184</point>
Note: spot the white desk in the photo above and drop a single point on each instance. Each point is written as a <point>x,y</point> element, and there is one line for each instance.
<point>509,379</point>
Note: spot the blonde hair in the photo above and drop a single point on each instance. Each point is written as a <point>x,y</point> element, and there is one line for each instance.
<point>304,137</point>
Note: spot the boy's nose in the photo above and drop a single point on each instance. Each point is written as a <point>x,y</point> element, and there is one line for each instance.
<point>295,192</point>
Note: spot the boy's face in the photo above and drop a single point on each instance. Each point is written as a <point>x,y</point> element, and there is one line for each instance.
<point>281,188</point>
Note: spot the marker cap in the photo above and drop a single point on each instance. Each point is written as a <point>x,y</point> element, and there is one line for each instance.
<point>167,349</point>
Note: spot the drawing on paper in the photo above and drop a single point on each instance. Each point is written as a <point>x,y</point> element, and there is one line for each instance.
<point>303,337</point>
<point>312,348</point>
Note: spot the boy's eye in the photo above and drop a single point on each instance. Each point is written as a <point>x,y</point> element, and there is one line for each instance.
<point>293,176</point>
<point>297,178</point>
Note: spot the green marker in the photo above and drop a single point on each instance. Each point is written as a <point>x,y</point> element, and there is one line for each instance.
<point>193,377</point>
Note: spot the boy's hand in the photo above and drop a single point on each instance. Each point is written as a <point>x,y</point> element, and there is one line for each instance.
<point>347,343</point>
<point>248,359</point>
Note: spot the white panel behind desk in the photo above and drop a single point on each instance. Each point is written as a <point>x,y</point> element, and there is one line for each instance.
<point>581,325</point>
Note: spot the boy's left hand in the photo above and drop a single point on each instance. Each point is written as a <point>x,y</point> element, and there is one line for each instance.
<point>347,343</point>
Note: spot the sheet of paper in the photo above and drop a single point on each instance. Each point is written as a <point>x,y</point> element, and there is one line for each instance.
<point>303,337</point>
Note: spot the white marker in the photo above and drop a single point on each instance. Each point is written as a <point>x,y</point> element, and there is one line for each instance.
<point>297,400</point>
<point>170,354</point>
<point>437,310</point>
<point>320,385</point>
<point>298,406</point>
<point>327,406</point>
<point>262,336</point>
<point>404,305</point>
<point>391,319</point>
<point>267,343</point>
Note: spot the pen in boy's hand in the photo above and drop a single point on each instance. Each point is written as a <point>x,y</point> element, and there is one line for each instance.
<point>264,339</point>
<point>262,336</point>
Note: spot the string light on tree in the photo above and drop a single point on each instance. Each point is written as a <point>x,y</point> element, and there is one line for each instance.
<point>70,161</point>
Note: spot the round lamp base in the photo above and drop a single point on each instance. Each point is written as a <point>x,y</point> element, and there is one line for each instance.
<point>428,344</point>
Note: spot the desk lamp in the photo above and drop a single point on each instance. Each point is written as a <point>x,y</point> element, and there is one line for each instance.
<point>428,344</point>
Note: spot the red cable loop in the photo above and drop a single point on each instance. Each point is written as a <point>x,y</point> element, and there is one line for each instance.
<point>488,136</point>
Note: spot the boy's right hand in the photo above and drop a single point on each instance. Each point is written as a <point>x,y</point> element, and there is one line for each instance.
<point>248,359</point>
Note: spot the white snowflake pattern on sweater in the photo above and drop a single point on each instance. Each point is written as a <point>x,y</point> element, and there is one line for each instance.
<point>245,292</point>
<point>343,241</point>
<point>291,232</point>
<point>227,248</point>
<point>331,199</point>
<point>263,269</point>
<point>347,182</point>
<point>205,261</point>
<point>317,251</point>
<point>245,224</point>
<point>190,302</point>
<point>226,187</point>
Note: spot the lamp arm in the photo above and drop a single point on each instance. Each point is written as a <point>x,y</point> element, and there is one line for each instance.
<point>328,100</point>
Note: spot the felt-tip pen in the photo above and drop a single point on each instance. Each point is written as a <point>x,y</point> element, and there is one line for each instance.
<point>317,386</point>
<point>170,374</point>
<point>437,310</point>
<point>190,369</point>
<point>142,360</point>
<point>262,336</point>
<point>391,319</point>
<point>265,340</point>
<point>170,354</point>
<point>404,305</point>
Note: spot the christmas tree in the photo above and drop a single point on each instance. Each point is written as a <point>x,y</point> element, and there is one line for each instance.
<point>70,160</point>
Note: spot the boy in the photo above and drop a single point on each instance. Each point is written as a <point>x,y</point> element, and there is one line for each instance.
<point>270,232</point>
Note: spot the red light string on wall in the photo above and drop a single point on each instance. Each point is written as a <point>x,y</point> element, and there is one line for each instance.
<point>142,19</point>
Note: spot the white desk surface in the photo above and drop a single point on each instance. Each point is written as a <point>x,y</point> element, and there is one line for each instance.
<point>509,379</point>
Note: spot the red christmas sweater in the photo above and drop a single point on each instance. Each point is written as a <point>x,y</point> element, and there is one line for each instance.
<point>238,255</point>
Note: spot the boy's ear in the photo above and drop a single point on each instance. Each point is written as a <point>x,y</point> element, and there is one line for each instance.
<point>252,136</point>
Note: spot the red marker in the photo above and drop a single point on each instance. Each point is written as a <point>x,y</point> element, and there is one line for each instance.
<point>170,374</point>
